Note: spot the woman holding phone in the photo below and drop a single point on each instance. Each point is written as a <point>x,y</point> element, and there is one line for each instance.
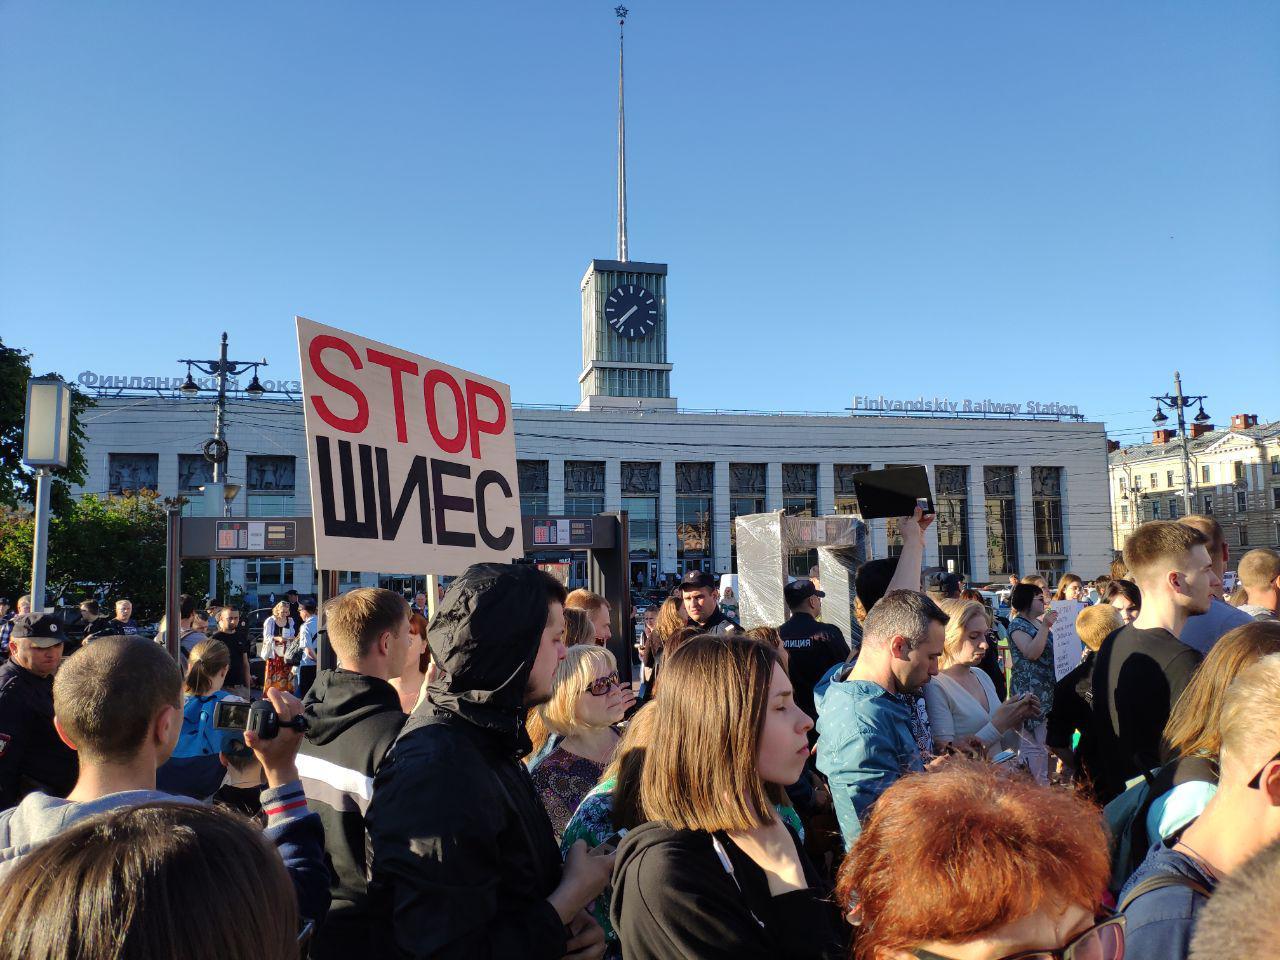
<point>964,709</point>
<point>715,870</point>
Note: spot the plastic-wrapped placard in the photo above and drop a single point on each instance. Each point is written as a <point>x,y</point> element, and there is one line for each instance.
<point>765,540</point>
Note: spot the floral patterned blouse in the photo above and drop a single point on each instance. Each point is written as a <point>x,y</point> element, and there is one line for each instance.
<point>1034,676</point>
<point>562,780</point>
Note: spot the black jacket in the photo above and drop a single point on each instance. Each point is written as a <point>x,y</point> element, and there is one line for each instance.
<point>672,897</point>
<point>718,624</point>
<point>463,853</point>
<point>1073,710</point>
<point>813,648</point>
<point>1137,678</point>
<point>352,722</point>
<point>32,756</point>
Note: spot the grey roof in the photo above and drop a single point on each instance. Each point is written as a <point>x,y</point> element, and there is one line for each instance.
<point>1158,451</point>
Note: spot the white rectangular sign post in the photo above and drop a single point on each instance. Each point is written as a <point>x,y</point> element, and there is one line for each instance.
<point>1067,648</point>
<point>412,461</point>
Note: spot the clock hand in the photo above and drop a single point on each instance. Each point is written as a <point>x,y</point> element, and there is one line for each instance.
<point>628,313</point>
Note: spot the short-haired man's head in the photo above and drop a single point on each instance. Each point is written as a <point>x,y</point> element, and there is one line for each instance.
<point>715,692</point>
<point>1215,536</point>
<point>90,610</point>
<point>227,616</point>
<point>308,606</point>
<point>1250,719</point>
<point>1094,624</point>
<point>107,695</point>
<point>1240,921</point>
<point>186,605</point>
<point>901,613</point>
<point>585,600</point>
<point>123,606</point>
<point>1159,546</point>
<point>1259,569</point>
<point>357,619</point>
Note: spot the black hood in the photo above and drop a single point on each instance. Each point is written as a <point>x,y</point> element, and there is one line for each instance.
<point>339,699</point>
<point>484,639</point>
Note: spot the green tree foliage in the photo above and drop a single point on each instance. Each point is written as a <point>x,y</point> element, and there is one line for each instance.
<point>111,547</point>
<point>17,482</point>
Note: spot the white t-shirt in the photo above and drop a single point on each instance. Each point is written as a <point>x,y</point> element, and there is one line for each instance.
<point>954,713</point>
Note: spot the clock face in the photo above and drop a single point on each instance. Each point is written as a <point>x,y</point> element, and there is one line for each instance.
<point>631,310</point>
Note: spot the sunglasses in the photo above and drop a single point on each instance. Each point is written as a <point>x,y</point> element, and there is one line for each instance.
<point>1103,941</point>
<point>1256,782</point>
<point>602,685</point>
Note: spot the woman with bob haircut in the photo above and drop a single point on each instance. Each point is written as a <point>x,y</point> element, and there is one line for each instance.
<point>964,709</point>
<point>161,881</point>
<point>715,871</point>
<point>586,701</point>
<point>978,863</point>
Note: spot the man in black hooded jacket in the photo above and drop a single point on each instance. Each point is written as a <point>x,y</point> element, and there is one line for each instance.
<point>465,864</point>
<point>354,717</point>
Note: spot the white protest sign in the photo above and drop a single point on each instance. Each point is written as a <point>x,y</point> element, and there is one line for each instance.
<point>412,462</point>
<point>1067,648</point>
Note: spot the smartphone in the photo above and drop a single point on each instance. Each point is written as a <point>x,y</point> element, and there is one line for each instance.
<point>1004,756</point>
<point>610,843</point>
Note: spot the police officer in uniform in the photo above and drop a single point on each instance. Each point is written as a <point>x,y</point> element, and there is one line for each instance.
<point>701,599</point>
<point>813,648</point>
<point>32,756</point>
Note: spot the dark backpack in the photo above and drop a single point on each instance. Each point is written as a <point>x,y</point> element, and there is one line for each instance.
<point>1159,883</point>
<point>1126,814</point>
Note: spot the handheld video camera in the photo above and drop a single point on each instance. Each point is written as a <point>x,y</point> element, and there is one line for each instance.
<point>259,718</point>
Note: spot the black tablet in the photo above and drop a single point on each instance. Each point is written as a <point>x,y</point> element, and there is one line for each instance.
<point>892,492</point>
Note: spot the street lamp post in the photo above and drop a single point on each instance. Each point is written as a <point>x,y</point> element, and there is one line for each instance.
<point>46,443</point>
<point>216,450</point>
<point>1178,402</point>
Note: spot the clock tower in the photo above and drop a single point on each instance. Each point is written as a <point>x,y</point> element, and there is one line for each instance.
<point>624,312</point>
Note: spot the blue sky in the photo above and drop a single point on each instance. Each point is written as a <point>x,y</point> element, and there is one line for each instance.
<point>1013,200</point>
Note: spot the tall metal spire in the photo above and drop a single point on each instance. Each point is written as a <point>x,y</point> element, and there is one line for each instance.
<point>621,13</point>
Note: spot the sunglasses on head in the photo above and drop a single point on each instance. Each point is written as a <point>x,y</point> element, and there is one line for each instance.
<point>602,685</point>
<point>1103,941</point>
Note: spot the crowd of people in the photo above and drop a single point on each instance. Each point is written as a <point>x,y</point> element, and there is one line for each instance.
<point>481,783</point>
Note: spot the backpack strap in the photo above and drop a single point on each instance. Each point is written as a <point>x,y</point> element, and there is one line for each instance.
<point>1159,883</point>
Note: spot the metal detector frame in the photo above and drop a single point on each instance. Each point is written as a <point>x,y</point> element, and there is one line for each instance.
<point>607,547</point>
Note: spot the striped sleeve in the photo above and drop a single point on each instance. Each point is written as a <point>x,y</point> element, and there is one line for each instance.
<point>284,803</point>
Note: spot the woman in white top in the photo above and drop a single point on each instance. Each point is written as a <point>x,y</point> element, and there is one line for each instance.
<point>964,710</point>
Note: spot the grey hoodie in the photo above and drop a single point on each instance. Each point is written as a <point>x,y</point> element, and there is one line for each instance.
<point>39,817</point>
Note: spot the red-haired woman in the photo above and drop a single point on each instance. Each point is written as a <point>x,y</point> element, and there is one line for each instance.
<point>977,863</point>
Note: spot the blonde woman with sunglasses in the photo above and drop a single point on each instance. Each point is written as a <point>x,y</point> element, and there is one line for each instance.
<point>586,701</point>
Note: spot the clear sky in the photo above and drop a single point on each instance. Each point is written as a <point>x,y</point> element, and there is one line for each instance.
<point>1013,200</point>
